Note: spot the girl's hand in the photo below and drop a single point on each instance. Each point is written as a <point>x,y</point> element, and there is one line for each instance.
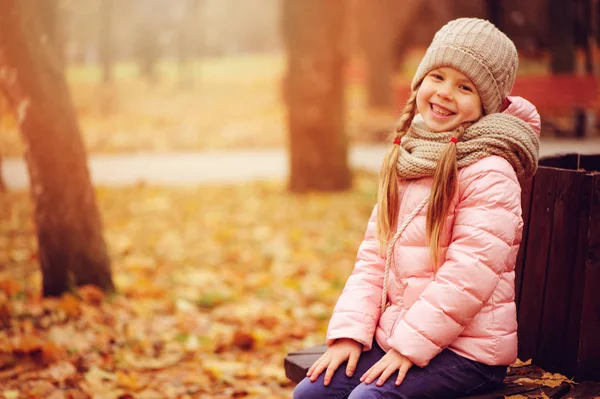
<point>341,350</point>
<point>386,366</point>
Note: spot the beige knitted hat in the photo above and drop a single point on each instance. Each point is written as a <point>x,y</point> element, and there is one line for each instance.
<point>479,50</point>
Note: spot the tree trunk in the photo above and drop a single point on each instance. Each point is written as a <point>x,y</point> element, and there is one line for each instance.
<point>2,185</point>
<point>385,35</point>
<point>48,12</point>
<point>147,46</point>
<point>379,47</point>
<point>495,12</point>
<point>106,41</point>
<point>187,39</point>
<point>561,39</point>
<point>313,32</point>
<point>68,224</point>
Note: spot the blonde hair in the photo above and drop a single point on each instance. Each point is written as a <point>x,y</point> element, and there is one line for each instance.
<point>387,196</point>
<point>442,191</point>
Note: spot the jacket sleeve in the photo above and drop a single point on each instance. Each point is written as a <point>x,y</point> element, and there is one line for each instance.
<point>486,225</point>
<point>357,310</point>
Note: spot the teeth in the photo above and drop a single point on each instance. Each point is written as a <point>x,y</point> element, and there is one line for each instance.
<point>440,111</point>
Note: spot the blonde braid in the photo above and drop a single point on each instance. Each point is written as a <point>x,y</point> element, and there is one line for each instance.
<point>388,201</point>
<point>442,191</point>
<point>387,197</point>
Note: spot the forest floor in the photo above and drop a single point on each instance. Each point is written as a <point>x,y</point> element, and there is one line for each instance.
<point>215,285</point>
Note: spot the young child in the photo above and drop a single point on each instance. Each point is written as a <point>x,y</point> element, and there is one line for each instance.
<point>429,310</point>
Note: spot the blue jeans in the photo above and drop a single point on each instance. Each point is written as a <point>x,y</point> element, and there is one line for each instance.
<point>448,375</point>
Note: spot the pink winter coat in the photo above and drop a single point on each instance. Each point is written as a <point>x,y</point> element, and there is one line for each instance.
<point>468,305</point>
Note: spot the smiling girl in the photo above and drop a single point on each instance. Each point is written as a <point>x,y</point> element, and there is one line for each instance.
<point>428,311</point>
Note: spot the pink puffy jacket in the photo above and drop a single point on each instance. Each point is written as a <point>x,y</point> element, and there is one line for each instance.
<point>468,305</point>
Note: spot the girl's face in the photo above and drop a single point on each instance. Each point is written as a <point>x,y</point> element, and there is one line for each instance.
<point>446,99</point>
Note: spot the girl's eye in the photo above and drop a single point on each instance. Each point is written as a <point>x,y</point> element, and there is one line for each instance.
<point>466,88</point>
<point>436,76</point>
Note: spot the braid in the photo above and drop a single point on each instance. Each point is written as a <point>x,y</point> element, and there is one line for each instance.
<point>387,211</point>
<point>443,188</point>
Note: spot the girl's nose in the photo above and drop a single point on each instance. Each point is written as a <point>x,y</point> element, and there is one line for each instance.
<point>444,92</point>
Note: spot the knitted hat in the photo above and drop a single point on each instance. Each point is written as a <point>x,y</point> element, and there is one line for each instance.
<point>481,51</point>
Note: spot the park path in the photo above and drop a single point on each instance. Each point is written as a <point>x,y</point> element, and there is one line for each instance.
<point>228,166</point>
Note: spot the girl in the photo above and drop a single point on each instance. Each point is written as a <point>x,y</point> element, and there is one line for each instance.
<point>429,310</point>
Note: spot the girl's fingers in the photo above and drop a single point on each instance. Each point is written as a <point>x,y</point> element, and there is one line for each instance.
<point>319,369</point>
<point>314,365</point>
<point>333,365</point>
<point>366,374</point>
<point>371,374</point>
<point>401,374</point>
<point>389,370</point>
<point>351,367</point>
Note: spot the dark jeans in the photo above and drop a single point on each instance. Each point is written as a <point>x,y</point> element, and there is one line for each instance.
<point>448,375</point>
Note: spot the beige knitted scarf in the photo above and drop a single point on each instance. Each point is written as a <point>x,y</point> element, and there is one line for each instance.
<point>494,134</point>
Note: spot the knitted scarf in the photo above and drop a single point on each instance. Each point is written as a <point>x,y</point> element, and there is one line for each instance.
<point>494,134</point>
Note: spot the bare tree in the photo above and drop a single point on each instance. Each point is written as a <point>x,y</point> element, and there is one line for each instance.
<point>561,36</point>
<point>147,40</point>
<point>313,32</point>
<point>68,224</point>
<point>106,47</point>
<point>385,35</point>
<point>188,35</point>
<point>2,184</point>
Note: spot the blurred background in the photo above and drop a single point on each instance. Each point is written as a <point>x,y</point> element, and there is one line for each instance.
<point>214,162</point>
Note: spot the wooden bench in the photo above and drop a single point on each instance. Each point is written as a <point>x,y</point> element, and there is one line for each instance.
<point>557,272</point>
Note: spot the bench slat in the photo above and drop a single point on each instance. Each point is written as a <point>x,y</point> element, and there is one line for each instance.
<point>526,195</point>
<point>551,352</point>
<point>536,258</point>
<point>585,390</point>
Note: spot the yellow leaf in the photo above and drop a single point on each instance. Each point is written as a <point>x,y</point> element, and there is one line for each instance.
<point>70,305</point>
<point>520,363</point>
<point>128,381</point>
<point>171,356</point>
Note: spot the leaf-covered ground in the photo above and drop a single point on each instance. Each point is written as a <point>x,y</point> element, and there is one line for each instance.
<point>216,284</point>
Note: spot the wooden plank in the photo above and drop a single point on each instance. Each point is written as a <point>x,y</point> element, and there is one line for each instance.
<point>319,349</point>
<point>536,255</point>
<point>590,162</point>
<point>296,364</point>
<point>526,390</point>
<point>573,331</point>
<point>585,390</point>
<point>589,354</point>
<point>562,161</point>
<point>551,352</point>
<point>526,191</point>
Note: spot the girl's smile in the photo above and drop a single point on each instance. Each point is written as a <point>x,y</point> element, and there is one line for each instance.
<point>447,98</point>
